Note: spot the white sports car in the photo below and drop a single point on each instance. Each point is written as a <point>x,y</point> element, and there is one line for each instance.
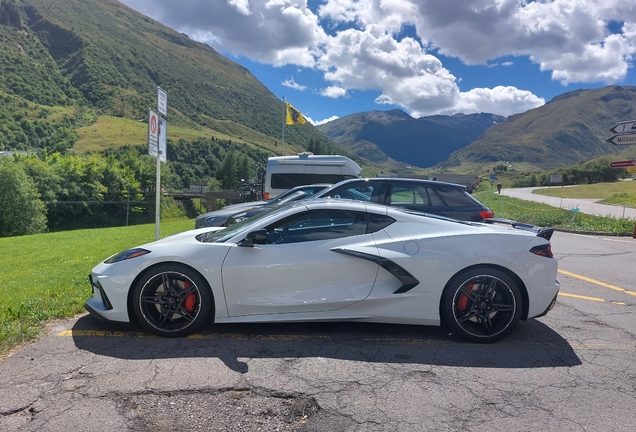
<point>337,260</point>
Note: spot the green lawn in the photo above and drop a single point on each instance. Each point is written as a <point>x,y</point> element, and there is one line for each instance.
<point>45,276</point>
<point>111,131</point>
<point>547,216</point>
<point>621,193</point>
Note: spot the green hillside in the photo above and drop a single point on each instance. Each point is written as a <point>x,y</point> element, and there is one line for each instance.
<point>98,59</point>
<point>568,130</point>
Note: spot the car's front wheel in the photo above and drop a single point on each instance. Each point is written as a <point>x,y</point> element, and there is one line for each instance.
<point>481,305</point>
<point>172,300</point>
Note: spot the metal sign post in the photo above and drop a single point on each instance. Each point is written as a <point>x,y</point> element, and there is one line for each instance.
<point>157,147</point>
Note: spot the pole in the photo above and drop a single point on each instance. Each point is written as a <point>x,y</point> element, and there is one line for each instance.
<point>158,188</point>
<point>127,205</point>
<point>284,120</point>
<point>158,199</point>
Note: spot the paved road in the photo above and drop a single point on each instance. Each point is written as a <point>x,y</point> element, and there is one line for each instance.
<point>588,206</point>
<point>572,370</point>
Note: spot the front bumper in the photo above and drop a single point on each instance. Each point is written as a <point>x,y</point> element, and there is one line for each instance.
<point>110,292</point>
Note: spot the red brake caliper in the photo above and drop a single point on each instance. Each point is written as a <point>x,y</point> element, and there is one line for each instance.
<point>190,299</point>
<point>462,303</point>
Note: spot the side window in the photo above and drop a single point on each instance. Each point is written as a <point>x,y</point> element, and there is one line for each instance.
<point>402,195</point>
<point>456,197</point>
<point>318,225</point>
<point>378,222</point>
<point>414,195</point>
<point>291,180</point>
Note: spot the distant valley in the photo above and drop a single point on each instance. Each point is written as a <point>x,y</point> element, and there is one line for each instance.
<point>568,130</point>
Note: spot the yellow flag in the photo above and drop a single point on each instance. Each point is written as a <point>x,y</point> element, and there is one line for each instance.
<point>293,115</point>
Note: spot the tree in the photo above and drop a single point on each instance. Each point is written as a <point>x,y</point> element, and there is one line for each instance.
<point>22,212</point>
<point>243,170</point>
<point>227,171</point>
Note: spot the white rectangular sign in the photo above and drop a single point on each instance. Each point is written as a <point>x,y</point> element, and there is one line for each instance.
<point>162,101</point>
<point>556,178</point>
<point>163,133</point>
<point>153,133</point>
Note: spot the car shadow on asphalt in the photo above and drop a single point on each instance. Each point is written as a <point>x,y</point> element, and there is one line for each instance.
<point>532,344</point>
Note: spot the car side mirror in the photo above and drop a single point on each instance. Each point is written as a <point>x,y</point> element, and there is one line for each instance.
<point>254,238</point>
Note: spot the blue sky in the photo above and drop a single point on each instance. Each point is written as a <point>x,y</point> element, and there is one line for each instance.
<point>331,58</point>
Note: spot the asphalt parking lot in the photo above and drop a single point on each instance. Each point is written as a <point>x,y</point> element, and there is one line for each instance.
<point>571,370</point>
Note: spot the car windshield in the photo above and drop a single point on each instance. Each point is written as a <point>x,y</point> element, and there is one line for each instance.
<point>229,232</point>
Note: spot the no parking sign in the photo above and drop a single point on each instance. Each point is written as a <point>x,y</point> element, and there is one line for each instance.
<point>153,133</point>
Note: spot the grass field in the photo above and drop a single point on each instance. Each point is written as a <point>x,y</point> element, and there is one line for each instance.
<point>115,132</point>
<point>45,276</point>
<point>621,193</point>
<point>547,216</point>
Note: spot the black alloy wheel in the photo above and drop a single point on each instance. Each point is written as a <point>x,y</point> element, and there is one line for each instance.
<point>481,305</point>
<point>172,300</point>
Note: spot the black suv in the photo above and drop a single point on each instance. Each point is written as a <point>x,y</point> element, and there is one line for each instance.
<point>444,199</point>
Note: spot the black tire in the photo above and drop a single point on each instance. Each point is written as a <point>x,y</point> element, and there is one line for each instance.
<point>481,305</point>
<point>178,311</point>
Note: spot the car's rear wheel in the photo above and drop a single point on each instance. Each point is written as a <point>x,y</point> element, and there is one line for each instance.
<point>172,300</point>
<point>481,305</point>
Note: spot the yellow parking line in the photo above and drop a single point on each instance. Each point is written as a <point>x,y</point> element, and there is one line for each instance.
<point>76,333</point>
<point>596,299</point>
<point>594,281</point>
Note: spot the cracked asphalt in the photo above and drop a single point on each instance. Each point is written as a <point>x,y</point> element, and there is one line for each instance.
<point>572,370</point>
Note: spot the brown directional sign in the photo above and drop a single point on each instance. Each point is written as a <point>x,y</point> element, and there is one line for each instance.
<point>623,164</point>
<point>623,139</point>
<point>626,127</point>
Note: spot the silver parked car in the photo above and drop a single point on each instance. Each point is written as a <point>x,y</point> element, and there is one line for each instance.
<point>219,218</point>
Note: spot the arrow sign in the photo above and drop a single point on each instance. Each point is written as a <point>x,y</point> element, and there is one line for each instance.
<point>622,139</point>
<point>623,164</point>
<point>626,127</point>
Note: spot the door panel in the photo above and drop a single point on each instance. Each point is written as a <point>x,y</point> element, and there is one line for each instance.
<point>295,277</point>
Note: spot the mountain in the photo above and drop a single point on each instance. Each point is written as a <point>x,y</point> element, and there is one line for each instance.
<point>74,63</point>
<point>568,130</point>
<point>382,136</point>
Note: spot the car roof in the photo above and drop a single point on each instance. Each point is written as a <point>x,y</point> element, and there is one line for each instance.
<point>432,183</point>
<point>310,186</point>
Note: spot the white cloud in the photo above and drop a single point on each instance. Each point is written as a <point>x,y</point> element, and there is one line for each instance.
<point>319,122</point>
<point>334,92</point>
<point>360,44</point>
<point>500,100</point>
<point>242,6</point>
<point>293,84</point>
<point>568,37</point>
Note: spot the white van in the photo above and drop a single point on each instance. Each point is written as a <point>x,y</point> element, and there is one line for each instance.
<point>286,172</point>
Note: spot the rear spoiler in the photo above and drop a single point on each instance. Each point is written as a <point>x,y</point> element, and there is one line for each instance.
<point>545,233</point>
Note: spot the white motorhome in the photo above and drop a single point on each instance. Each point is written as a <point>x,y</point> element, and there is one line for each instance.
<point>286,172</point>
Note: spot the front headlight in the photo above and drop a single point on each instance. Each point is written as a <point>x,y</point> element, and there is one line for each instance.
<point>126,255</point>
